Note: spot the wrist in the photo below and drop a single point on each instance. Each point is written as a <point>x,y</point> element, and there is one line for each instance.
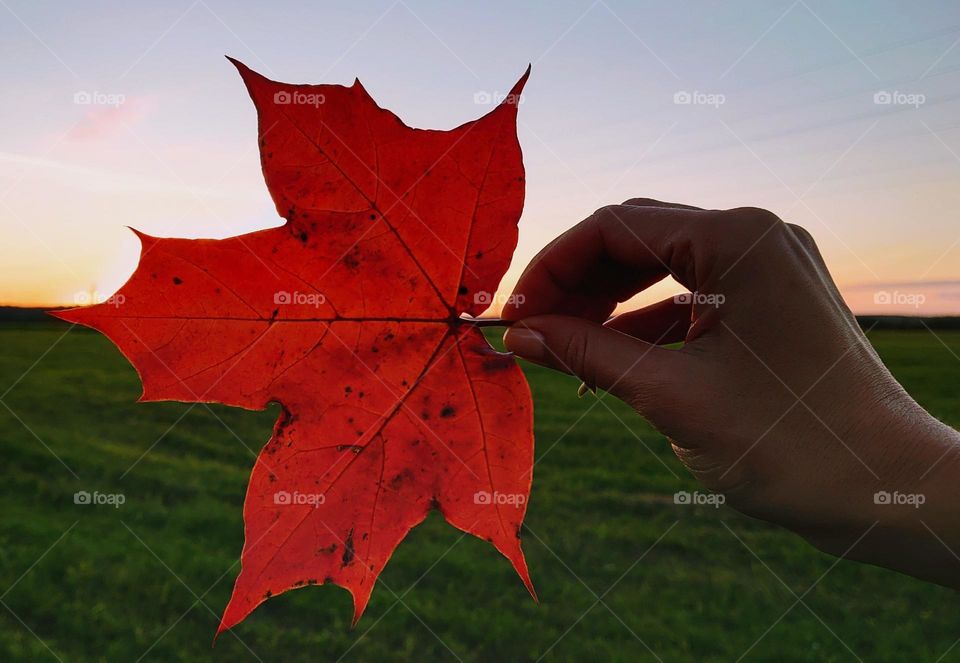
<point>903,516</point>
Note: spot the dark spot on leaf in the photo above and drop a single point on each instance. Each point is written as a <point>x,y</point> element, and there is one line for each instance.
<point>177,280</point>
<point>447,411</point>
<point>398,480</point>
<point>462,290</point>
<point>348,554</point>
<point>497,362</point>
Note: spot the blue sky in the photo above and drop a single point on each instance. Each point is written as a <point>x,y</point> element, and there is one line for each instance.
<point>839,116</point>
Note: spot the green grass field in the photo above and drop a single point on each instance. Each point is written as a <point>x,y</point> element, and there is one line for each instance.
<point>148,580</point>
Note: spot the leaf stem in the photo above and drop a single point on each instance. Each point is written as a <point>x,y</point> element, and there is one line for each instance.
<point>488,322</point>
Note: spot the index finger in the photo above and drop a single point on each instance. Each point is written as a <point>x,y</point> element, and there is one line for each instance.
<point>608,257</point>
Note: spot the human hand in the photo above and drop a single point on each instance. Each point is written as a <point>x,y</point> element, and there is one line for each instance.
<point>776,398</point>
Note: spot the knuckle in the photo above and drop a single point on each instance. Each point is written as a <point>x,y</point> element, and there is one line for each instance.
<point>750,229</point>
<point>659,395</point>
<point>575,355</point>
<point>607,213</point>
<point>642,202</point>
<point>755,219</point>
<point>802,234</point>
<point>643,395</point>
<point>607,217</point>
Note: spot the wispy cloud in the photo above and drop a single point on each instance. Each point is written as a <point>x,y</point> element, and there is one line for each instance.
<point>108,115</point>
<point>77,176</point>
<point>942,283</point>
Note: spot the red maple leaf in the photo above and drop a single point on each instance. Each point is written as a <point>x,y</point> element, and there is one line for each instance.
<point>349,316</point>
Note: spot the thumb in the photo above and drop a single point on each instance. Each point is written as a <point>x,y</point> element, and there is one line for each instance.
<point>602,357</point>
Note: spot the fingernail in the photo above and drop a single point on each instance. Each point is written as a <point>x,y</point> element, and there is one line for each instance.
<point>527,343</point>
<point>585,389</point>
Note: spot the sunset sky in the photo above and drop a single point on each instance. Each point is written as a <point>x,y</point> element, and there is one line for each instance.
<point>842,117</point>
